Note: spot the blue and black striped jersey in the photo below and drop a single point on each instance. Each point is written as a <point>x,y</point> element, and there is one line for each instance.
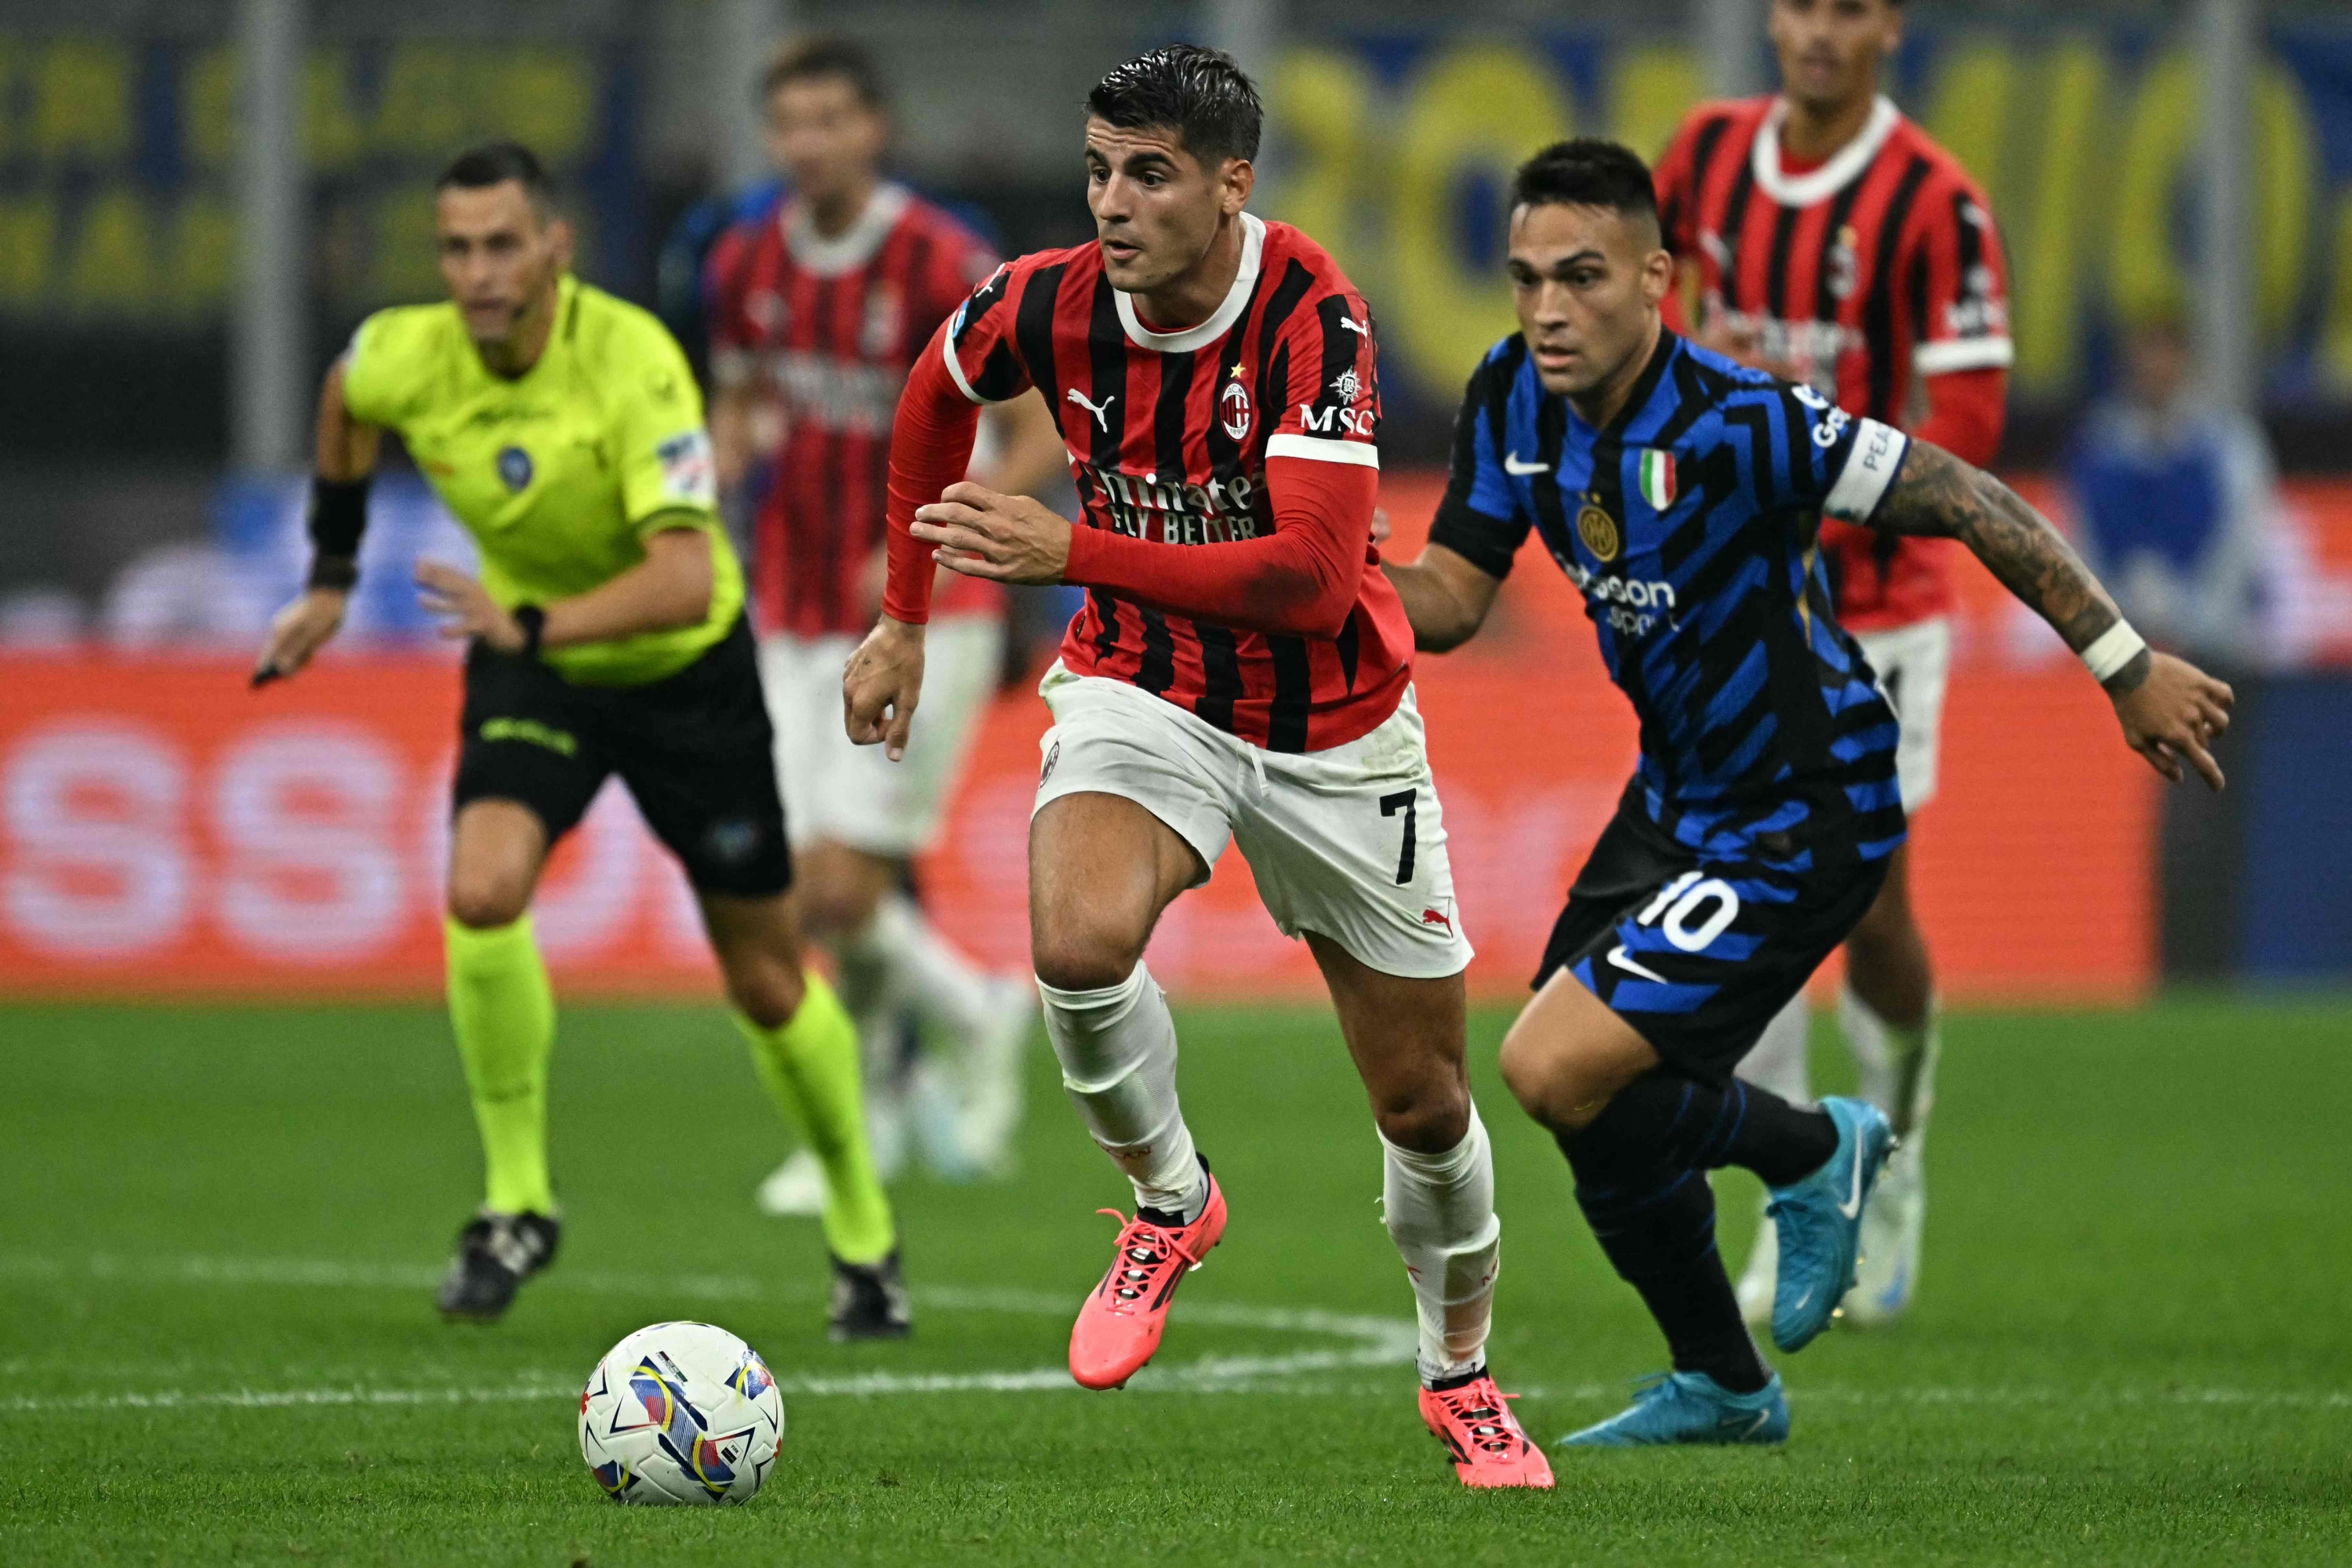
<point>1689,523</point>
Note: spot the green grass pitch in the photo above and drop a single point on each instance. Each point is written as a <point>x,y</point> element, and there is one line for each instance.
<point>222,1227</point>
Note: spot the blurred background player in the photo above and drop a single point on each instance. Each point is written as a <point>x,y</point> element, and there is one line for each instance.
<point>1240,673</point>
<point>1829,240</point>
<point>817,308</point>
<point>606,635</point>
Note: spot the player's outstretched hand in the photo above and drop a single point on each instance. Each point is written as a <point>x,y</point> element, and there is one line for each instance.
<point>882,685</point>
<point>1005,539</point>
<point>466,607</point>
<point>2174,714</point>
<point>301,630</point>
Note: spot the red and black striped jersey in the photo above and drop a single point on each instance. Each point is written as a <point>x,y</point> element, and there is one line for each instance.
<point>828,327</point>
<point>1865,273</point>
<point>1169,434</point>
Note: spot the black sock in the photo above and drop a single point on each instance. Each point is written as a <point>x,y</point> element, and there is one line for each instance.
<point>1657,1226</point>
<point>1689,1125</point>
<point>1171,1221</point>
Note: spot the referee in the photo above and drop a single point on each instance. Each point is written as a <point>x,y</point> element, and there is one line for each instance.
<point>605,636</point>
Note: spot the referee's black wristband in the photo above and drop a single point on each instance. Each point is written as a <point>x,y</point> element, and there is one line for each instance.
<point>534,622</point>
<point>339,572</point>
<point>339,515</point>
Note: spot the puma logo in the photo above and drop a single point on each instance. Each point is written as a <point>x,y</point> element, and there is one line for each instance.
<point>1101,411</point>
<point>1361,329</point>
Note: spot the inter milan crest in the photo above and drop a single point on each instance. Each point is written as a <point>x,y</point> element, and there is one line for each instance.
<point>514,467</point>
<point>1599,530</point>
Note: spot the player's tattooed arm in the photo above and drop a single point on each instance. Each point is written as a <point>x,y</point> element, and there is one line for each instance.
<point>1938,495</point>
<point>2171,709</point>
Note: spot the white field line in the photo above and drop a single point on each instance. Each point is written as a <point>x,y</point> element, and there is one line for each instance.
<point>550,1390</point>
<point>1377,1343</point>
<point>1367,1341</point>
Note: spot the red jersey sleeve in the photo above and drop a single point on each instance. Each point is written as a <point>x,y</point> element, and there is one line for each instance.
<point>1675,177</point>
<point>930,448</point>
<point>734,337</point>
<point>1300,581</point>
<point>978,347</point>
<point>1327,365</point>
<point>1966,409</point>
<point>1958,281</point>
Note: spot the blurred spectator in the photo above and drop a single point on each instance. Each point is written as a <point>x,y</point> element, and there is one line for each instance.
<point>2177,506</point>
<point>40,619</point>
<point>186,594</point>
<point>2177,503</point>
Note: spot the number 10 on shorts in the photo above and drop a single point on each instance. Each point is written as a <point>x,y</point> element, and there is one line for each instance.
<point>1680,901</point>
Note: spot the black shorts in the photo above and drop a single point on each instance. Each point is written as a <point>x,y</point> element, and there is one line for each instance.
<point>1699,952</point>
<point>695,749</point>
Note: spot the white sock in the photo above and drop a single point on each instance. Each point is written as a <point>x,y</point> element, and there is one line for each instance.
<point>1117,1051</point>
<point>1777,1062</point>
<point>929,972</point>
<point>1897,1064</point>
<point>1440,1210</point>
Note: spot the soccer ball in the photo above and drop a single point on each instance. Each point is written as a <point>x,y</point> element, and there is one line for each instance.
<point>681,1413</point>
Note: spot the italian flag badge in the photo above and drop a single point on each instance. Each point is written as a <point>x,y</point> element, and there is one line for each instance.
<point>1657,479</point>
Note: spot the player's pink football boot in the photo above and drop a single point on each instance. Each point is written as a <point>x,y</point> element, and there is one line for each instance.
<point>1119,1328</point>
<point>1475,1424</point>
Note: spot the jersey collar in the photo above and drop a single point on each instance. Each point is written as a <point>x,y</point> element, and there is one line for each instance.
<point>853,247</point>
<point>1817,185</point>
<point>1637,397</point>
<point>1218,324</point>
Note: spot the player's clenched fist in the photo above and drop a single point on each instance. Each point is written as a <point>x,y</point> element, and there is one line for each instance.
<point>1005,538</point>
<point>882,685</point>
<point>302,629</point>
<point>2175,712</point>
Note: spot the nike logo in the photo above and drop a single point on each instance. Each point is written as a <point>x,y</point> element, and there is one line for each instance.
<point>1618,956</point>
<point>1511,464</point>
<point>1853,1205</point>
<point>1743,1426</point>
<point>1101,411</point>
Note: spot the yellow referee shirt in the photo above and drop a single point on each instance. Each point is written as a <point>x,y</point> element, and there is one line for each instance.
<point>558,472</point>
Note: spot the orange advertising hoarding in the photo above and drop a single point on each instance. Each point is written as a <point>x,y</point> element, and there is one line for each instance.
<point>164,831</point>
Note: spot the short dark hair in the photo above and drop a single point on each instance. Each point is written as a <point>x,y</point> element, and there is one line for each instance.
<point>496,163</point>
<point>828,55</point>
<point>1203,94</point>
<point>1588,172</point>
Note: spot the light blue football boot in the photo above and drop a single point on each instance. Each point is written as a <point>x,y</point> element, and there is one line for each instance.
<point>1819,1223</point>
<point>1690,1408</point>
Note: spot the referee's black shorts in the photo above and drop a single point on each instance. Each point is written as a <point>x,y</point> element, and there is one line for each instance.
<point>695,749</point>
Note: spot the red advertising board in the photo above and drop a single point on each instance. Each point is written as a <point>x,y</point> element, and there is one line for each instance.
<point>164,831</point>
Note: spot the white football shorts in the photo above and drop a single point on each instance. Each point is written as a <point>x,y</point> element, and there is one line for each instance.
<point>1913,663</point>
<point>843,794</point>
<point>1349,842</point>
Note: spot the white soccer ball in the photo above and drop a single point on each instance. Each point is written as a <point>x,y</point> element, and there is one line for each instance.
<point>681,1413</point>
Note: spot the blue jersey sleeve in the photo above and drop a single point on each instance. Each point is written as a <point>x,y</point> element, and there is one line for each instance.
<point>1480,519</point>
<point>1810,455</point>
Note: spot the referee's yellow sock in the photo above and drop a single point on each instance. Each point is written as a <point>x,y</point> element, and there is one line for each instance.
<point>810,1065</point>
<point>504,1015</point>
